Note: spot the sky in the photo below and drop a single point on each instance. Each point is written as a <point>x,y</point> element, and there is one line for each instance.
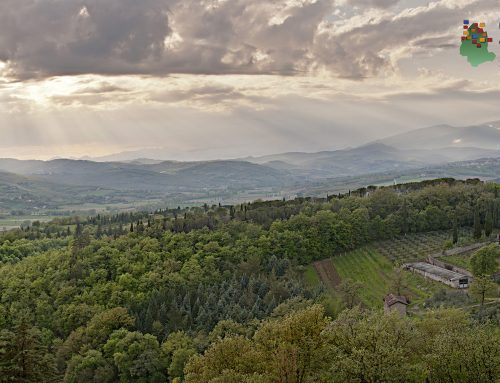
<point>206,79</point>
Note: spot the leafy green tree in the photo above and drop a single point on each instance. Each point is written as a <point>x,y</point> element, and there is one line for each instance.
<point>481,287</point>
<point>454,349</point>
<point>484,261</point>
<point>137,357</point>
<point>294,346</point>
<point>350,289</point>
<point>176,351</point>
<point>371,347</point>
<point>233,359</point>
<point>95,333</point>
<point>398,281</point>
<point>91,367</point>
<point>289,350</point>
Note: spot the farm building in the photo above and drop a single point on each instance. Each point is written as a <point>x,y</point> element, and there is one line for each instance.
<point>448,277</point>
<point>395,303</point>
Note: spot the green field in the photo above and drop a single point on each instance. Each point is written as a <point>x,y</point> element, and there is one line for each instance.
<point>376,273</point>
<point>12,222</point>
<point>311,277</point>
<point>374,266</point>
<point>462,261</point>
<point>413,246</point>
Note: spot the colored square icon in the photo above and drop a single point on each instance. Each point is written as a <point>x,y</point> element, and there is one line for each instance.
<point>478,45</point>
<point>482,25</point>
<point>466,22</point>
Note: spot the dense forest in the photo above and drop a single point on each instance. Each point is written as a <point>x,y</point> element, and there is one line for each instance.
<point>216,294</point>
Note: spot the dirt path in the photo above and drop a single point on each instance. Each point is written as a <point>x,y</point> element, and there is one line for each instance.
<point>327,273</point>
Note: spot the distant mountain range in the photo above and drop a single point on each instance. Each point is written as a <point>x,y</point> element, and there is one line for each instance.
<point>454,144</point>
<point>483,136</point>
<point>440,151</point>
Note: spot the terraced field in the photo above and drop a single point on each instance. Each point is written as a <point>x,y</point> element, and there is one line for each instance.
<point>417,246</point>
<point>374,266</point>
<point>376,273</point>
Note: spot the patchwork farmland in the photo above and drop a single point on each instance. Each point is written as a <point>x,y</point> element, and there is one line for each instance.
<point>374,267</point>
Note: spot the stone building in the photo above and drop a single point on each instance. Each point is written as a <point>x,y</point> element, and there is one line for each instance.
<point>450,277</point>
<point>395,303</point>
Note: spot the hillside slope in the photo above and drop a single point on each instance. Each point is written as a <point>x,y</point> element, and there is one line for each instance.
<point>482,136</point>
<point>150,176</point>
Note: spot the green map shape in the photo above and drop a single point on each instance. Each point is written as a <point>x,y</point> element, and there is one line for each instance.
<point>476,56</point>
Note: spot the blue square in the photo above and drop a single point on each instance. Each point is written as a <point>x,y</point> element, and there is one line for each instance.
<point>466,22</point>
<point>475,36</point>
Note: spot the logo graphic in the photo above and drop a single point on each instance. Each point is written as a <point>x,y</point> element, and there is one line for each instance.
<point>475,42</point>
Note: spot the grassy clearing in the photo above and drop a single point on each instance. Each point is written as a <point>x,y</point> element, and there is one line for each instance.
<point>371,269</point>
<point>14,222</point>
<point>376,273</point>
<point>462,261</point>
<point>311,278</point>
<point>329,299</point>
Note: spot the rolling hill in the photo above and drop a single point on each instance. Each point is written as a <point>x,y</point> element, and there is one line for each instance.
<point>421,154</point>
<point>150,176</point>
<point>482,136</point>
<point>371,158</point>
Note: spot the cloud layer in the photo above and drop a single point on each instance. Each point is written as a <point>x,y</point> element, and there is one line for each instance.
<point>224,78</point>
<point>160,37</point>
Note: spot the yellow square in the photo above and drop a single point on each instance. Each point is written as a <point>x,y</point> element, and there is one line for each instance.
<point>482,25</point>
<point>466,33</point>
<point>482,40</point>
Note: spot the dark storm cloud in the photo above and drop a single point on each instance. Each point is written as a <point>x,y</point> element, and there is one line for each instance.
<point>55,37</point>
<point>82,36</point>
<point>158,37</point>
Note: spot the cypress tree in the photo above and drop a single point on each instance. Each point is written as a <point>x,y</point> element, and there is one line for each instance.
<point>477,225</point>
<point>404,217</point>
<point>488,224</point>
<point>455,231</point>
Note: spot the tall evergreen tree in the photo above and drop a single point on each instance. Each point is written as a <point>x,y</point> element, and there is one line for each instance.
<point>455,230</point>
<point>23,356</point>
<point>404,217</point>
<point>488,223</point>
<point>478,232</point>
